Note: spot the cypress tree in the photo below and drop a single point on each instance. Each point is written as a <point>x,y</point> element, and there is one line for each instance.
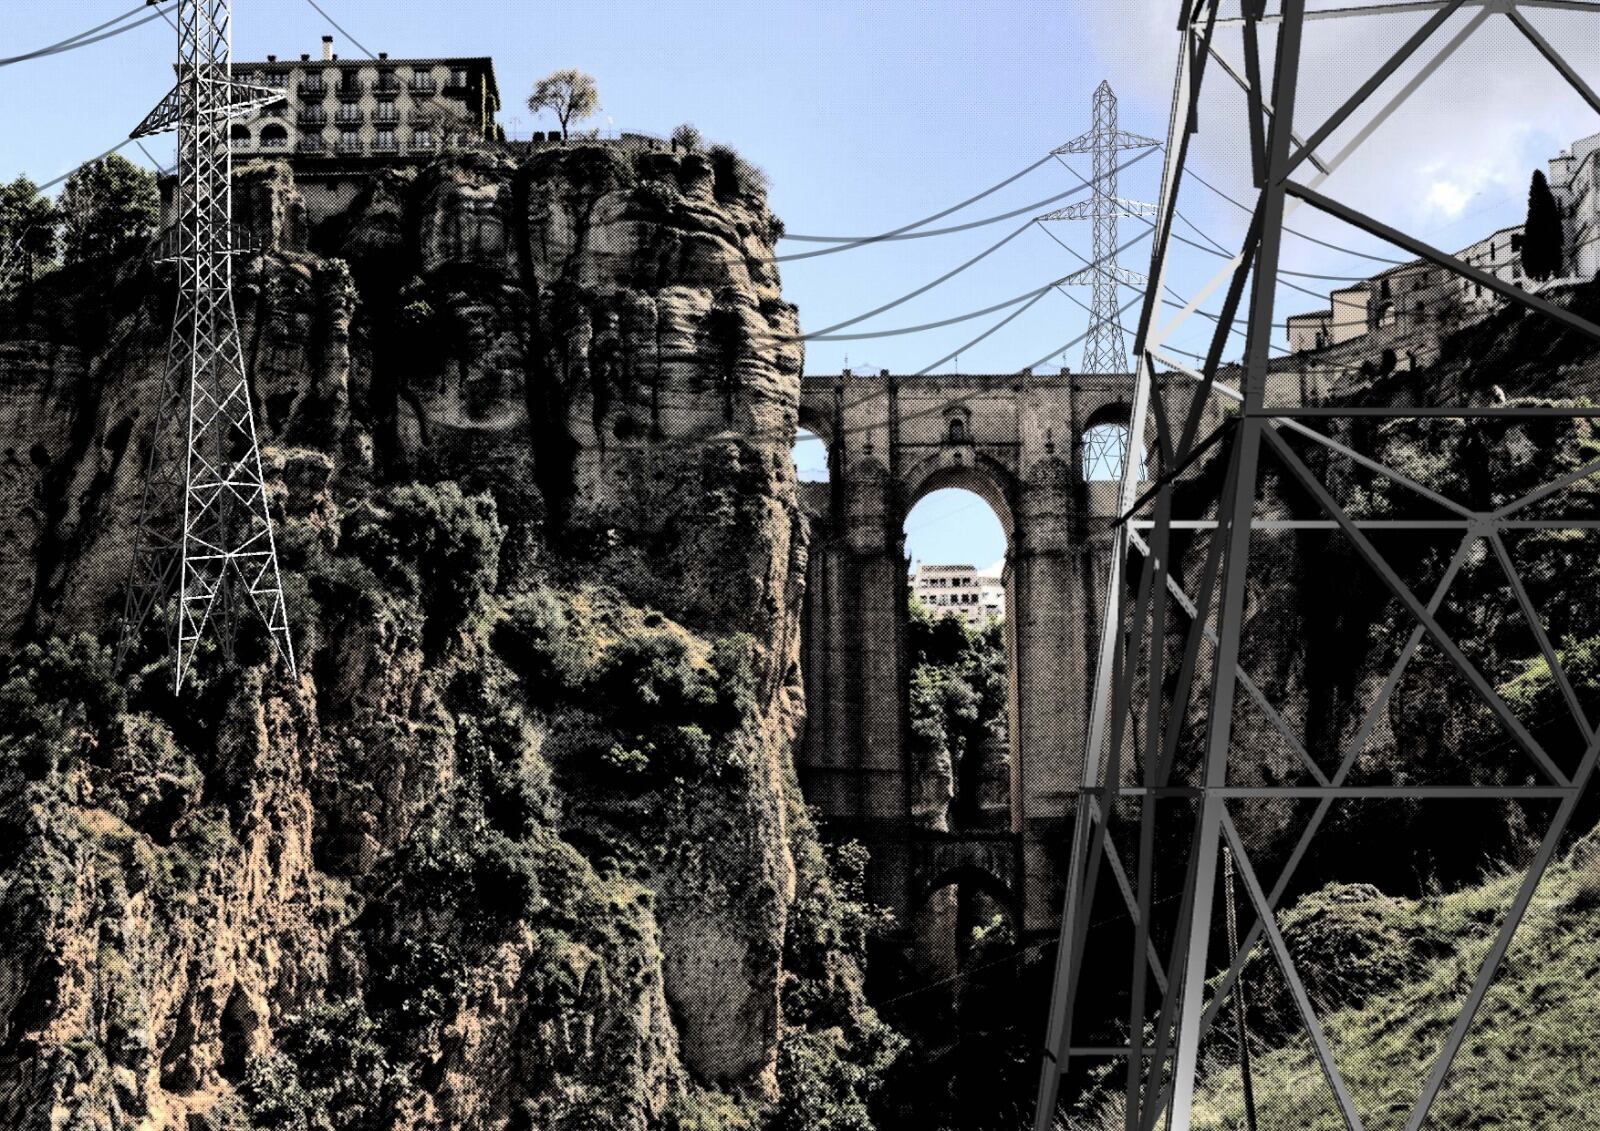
<point>1541,234</point>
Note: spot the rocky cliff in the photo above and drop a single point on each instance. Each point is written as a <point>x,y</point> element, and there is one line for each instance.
<point>521,846</point>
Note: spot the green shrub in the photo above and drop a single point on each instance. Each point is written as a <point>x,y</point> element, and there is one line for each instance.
<point>50,693</point>
<point>733,176</point>
<point>433,543</point>
<point>330,1072</point>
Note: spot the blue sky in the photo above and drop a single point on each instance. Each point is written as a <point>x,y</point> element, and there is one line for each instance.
<point>867,116</point>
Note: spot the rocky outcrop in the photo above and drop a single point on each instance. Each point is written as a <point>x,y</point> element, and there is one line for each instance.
<point>433,882</point>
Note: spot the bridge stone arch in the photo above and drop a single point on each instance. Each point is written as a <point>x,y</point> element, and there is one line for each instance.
<point>1017,441</point>
<point>983,865</point>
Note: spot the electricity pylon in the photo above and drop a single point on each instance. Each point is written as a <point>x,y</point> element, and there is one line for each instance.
<point>1181,740</point>
<point>1104,350</point>
<point>222,547</point>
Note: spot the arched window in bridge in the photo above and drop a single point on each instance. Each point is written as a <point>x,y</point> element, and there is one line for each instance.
<point>274,137</point>
<point>1105,451</point>
<point>239,135</point>
<point>957,430</point>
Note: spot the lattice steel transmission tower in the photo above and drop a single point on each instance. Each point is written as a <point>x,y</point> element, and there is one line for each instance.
<point>1104,351</point>
<point>1425,512</point>
<point>204,512</point>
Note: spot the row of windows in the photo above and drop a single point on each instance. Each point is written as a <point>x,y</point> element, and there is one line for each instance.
<point>388,82</point>
<point>276,137</point>
<point>946,599</point>
<point>347,112</point>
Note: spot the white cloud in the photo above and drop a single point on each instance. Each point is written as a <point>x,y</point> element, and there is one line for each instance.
<point>1447,198</point>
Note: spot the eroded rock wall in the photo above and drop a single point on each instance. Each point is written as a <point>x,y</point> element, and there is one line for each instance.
<point>585,364</point>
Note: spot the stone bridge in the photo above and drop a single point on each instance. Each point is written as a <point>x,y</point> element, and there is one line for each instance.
<point>1018,442</point>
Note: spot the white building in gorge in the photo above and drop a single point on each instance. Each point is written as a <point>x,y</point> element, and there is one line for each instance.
<point>1575,183</point>
<point>960,590</point>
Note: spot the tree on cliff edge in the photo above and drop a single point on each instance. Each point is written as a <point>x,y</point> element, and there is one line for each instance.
<point>108,208</point>
<point>569,94</point>
<point>1541,234</point>
<point>27,229</point>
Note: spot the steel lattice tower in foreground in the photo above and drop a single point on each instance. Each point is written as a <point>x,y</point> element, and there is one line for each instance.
<point>1104,350</point>
<point>1181,733</point>
<point>222,546</point>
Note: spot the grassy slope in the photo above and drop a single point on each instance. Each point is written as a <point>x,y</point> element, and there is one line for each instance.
<point>1528,1062</point>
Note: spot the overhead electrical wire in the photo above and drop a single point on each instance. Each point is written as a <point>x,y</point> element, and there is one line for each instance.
<point>85,38</point>
<point>926,287</point>
<point>323,13</point>
<point>1291,231</point>
<point>926,219</point>
<point>850,244</point>
<point>963,347</point>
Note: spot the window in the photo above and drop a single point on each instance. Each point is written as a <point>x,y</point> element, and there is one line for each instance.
<point>349,142</point>
<point>313,116</point>
<point>311,143</point>
<point>385,140</point>
<point>958,430</point>
<point>422,139</point>
<point>458,76</point>
<point>349,112</point>
<point>274,137</point>
<point>386,112</point>
<point>387,83</point>
<point>422,82</point>
<point>313,84</point>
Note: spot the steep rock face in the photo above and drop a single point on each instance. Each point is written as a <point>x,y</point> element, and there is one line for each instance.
<point>593,346</point>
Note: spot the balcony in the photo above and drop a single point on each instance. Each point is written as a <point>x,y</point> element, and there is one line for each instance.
<point>386,114</point>
<point>351,144</point>
<point>423,84</point>
<point>387,84</point>
<point>351,88</point>
<point>349,114</point>
<point>313,88</point>
<point>386,145</point>
<point>315,119</point>
<point>312,146</point>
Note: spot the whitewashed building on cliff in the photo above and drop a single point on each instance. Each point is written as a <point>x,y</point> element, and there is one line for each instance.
<point>960,590</point>
<point>1575,183</point>
<point>367,110</point>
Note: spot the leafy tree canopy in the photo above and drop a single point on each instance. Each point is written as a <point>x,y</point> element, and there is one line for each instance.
<point>108,208</point>
<point>569,94</point>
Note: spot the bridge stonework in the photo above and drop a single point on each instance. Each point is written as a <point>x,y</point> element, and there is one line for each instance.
<point>1017,442</point>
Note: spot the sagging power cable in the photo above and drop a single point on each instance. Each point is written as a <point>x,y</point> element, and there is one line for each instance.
<point>848,243</point>
<point>85,38</point>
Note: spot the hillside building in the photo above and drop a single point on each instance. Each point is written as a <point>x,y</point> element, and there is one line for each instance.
<point>960,590</point>
<point>367,112</point>
<point>1575,183</point>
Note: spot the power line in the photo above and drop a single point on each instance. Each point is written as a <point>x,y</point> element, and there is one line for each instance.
<point>85,38</point>
<point>926,287</point>
<point>361,47</point>
<point>1291,231</point>
<point>1035,293</point>
<point>957,352</point>
<point>849,244</point>
<point>100,157</point>
<point>926,219</point>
